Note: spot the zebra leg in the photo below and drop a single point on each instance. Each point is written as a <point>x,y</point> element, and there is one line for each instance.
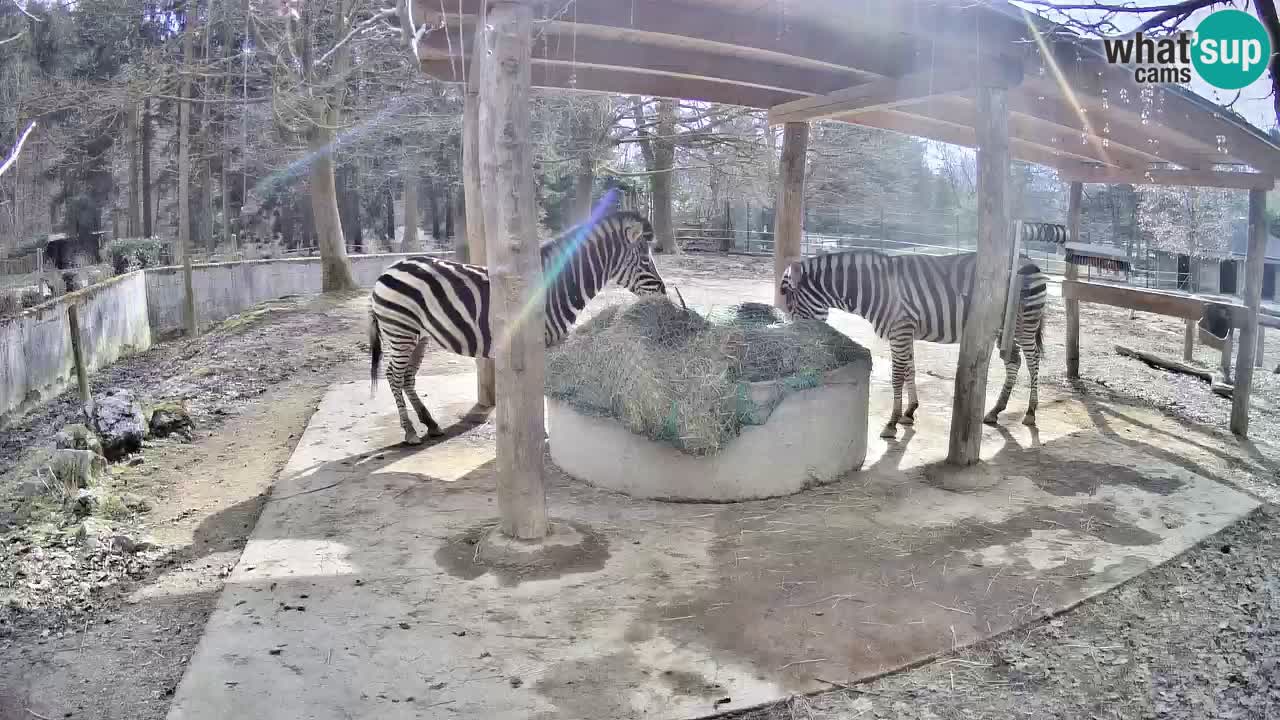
<point>913,402</point>
<point>1031,347</point>
<point>410,380</point>
<point>901,354</point>
<point>395,378</point>
<point>1011,365</point>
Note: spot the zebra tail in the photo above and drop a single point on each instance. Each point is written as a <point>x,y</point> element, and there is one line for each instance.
<point>375,351</point>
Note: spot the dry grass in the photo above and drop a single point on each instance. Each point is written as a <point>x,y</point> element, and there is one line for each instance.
<point>675,376</point>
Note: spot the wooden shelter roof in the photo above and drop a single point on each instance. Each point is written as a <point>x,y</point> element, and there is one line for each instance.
<point>903,65</point>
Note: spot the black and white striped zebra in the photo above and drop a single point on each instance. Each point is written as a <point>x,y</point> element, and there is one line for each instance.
<point>916,297</point>
<point>422,298</point>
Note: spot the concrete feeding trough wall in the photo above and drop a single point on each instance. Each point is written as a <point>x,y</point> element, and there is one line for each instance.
<point>813,436</point>
<point>35,346</point>
<point>225,289</point>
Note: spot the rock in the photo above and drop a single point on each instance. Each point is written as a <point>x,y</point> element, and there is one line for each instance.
<point>77,437</point>
<point>78,468</point>
<point>171,418</point>
<point>136,460</point>
<point>85,503</point>
<point>93,532</point>
<point>28,489</point>
<point>120,422</point>
<point>8,519</point>
<point>135,503</point>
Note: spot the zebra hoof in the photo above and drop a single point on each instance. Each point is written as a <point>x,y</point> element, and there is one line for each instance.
<point>991,418</point>
<point>889,432</point>
<point>435,431</point>
<point>412,439</point>
<point>1029,421</point>
<point>907,420</point>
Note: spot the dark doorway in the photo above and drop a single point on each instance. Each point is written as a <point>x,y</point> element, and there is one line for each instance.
<point>1184,272</point>
<point>1227,277</point>
<point>1269,281</point>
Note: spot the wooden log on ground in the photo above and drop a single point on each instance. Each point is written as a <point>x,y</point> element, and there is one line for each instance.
<point>77,358</point>
<point>1165,363</point>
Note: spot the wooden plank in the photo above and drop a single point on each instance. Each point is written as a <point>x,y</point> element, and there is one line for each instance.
<point>788,223</point>
<point>983,311</point>
<point>1011,296</point>
<point>1175,177</point>
<point>1254,265</point>
<point>1075,204</point>
<point>1189,341</point>
<point>516,312</point>
<point>605,51</point>
<point>1130,298</point>
<point>486,395</point>
<point>875,95</point>
<point>77,359</point>
<point>1262,342</point>
<point>1165,363</point>
<point>632,82</point>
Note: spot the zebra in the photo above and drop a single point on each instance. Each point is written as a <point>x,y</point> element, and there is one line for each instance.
<point>916,297</point>
<point>423,298</point>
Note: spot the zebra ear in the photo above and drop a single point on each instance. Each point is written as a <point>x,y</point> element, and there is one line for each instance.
<point>797,269</point>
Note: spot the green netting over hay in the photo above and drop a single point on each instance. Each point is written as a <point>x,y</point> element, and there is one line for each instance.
<point>675,376</point>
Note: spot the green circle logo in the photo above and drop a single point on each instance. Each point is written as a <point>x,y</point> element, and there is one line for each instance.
<point>1232,49</point>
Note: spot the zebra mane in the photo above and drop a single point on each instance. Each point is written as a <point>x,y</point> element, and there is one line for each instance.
<point>577,236</point>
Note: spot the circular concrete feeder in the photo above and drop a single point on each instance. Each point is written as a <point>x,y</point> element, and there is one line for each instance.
<point>813,436</point>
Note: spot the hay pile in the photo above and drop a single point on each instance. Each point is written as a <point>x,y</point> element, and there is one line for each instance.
<point>677,377</point>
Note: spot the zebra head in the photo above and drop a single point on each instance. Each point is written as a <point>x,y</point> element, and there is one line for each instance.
<point>797,295</point>
<point>635,269</point>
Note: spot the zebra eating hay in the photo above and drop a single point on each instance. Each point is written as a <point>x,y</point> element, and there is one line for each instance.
<point>423,298</point>
<point>915,297</point>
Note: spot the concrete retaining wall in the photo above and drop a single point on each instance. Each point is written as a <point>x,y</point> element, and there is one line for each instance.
<point>224,289</point>
<point>35,347</point>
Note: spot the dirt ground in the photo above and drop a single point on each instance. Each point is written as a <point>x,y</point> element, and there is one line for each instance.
<point>1198,638</point>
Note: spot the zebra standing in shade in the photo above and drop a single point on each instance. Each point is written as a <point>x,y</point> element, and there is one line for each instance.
<point>423,298</point>
<point>916,297</point>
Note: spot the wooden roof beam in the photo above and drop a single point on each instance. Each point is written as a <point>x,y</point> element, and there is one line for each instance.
<point>893,92</point>
<point>1164,176</point>
<point>624,82</point>
<point>584,50</point>
<point>959,134</point>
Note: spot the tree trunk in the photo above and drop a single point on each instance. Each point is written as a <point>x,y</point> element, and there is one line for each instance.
<point>664,156</point>
<point>389,217</point>
<point>184,182</point>
<point>433,205</point>
<point>409,243</point>
<point>446,207</point>
<point>335,268</point>
<point>458,219</point>
<point>347,177</point>
<point>146,168</point>
<point>515,270</point>
<point>135,199</point>
<point>585,182</point>
<point>472,196</point>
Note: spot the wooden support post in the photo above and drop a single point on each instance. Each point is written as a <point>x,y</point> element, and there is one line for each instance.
<point>1012,294</point>
<point>516,312</point>
<point>476,252</point>
<point>1072,270</point>
<point>983,311</point>
<point>77,357</point>
<point>1254,266</point>
<point>788,222</point>
<point>1189,341</point>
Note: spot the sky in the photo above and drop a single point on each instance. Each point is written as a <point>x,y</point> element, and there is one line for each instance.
<point>1254,103</point>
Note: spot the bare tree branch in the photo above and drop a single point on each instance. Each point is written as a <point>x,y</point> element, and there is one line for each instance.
<point>17,148</point>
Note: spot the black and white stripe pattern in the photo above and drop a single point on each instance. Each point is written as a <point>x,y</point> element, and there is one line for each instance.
<point>423,298</point>
<point>915,297</point>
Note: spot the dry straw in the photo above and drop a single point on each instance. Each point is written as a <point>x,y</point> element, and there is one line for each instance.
<point>674,376</point>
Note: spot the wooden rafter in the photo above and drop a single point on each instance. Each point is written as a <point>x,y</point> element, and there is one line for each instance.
<point>881,94</point>
<point>1167,176</point>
